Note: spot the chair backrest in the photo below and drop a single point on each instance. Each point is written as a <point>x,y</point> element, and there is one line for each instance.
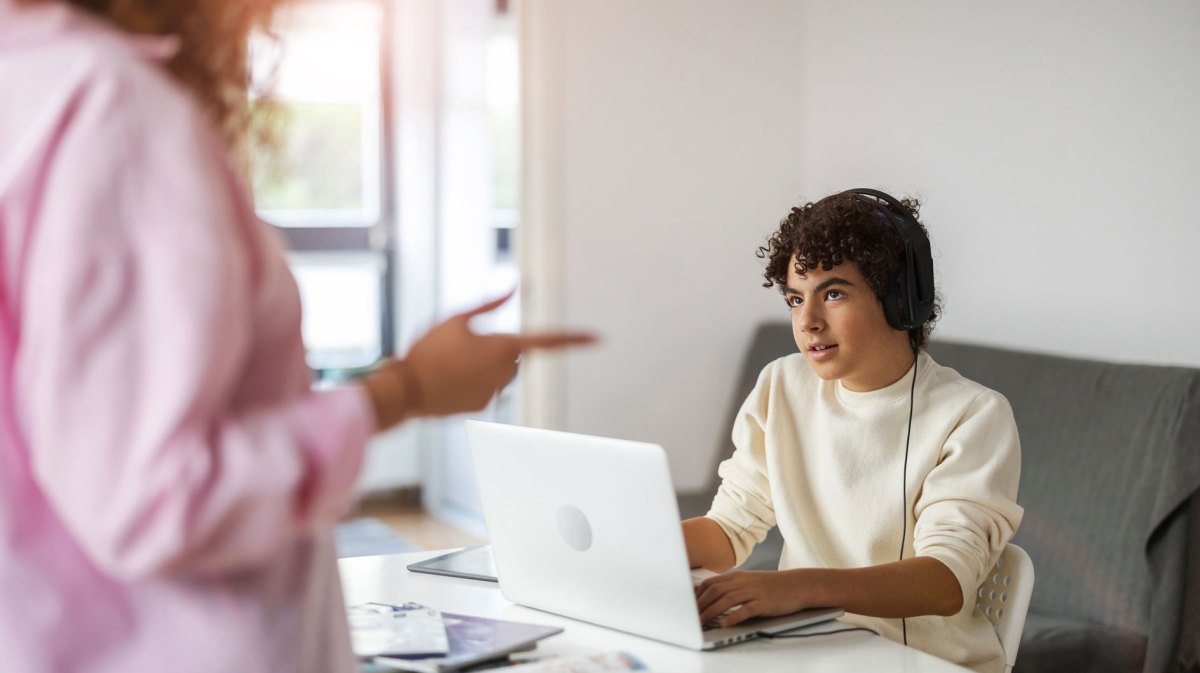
<point>1004,597</point>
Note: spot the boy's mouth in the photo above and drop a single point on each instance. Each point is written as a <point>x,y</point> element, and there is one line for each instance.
<point>821,351</point>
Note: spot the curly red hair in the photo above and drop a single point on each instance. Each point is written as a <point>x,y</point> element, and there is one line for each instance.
<point>212,61</point>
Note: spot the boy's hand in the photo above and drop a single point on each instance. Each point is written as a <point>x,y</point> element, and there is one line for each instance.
<point>752,594</point>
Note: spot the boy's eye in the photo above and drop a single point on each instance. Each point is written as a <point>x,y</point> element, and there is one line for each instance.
<point>794,301</point>
<point>835,294</point>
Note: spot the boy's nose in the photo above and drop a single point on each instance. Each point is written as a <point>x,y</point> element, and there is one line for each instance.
<point>811,319</point>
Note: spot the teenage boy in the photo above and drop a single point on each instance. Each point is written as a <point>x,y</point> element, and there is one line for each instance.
<point>893,480</point>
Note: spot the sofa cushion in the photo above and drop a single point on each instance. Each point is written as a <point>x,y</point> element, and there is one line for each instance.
<point>1109,465</point>
<point>1056,644</point>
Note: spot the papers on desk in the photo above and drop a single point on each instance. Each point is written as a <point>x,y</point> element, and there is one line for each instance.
<point>413,637</point>
<point>408,630</point>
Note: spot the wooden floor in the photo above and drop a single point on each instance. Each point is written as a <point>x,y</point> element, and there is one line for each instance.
<point>403,513</point>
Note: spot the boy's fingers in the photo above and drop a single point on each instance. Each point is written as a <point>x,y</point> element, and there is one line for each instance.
<point>738,616</point>
<point>709,594</point>
<point>717,608</point>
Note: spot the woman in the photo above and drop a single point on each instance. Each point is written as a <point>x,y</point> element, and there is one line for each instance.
<point>168,480</point>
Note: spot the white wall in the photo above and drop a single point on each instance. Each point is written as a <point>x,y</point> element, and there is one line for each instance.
<point>1056,144</point>
<point>1056,147</point>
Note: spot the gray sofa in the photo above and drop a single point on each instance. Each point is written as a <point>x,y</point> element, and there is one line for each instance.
<point>1109,483</point>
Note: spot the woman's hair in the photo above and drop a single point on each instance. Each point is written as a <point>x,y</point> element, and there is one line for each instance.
<point>213,57</point>
<point>836,229</point>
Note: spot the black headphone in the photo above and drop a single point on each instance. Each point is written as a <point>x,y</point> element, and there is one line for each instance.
<point>909,303</point>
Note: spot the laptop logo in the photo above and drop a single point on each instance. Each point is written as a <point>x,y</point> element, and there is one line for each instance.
<point>574,528</point>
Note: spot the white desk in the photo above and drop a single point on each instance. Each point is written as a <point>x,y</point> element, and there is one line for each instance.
<point>386,579</point>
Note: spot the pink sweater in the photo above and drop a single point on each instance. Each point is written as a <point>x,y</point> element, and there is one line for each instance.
<point>167,477</point>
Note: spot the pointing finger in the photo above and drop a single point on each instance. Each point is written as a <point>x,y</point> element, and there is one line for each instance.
<point>542,340</point>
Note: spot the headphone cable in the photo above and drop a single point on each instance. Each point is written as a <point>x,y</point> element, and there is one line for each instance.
<point>904,476</point>
<point>766,634</point>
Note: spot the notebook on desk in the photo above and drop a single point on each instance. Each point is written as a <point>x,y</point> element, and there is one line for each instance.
<point>588,528</point>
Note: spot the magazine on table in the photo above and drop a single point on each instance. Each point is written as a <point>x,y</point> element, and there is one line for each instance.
<point>413,637</point>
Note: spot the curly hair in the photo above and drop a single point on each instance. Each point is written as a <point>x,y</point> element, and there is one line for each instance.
<point>836,229</point>
<point>212,61</point>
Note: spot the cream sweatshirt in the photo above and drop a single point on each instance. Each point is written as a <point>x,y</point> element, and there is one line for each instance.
<point>824,464</point>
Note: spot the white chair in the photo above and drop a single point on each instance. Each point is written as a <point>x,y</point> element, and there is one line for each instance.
<point>1003,599</point>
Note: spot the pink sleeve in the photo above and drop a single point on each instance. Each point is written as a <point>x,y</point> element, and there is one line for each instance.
<point>150,390</point>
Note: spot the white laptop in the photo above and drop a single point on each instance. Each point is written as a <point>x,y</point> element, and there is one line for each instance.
<point>589,528</point>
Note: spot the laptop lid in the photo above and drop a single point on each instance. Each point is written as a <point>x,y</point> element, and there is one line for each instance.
<point>588,527</point>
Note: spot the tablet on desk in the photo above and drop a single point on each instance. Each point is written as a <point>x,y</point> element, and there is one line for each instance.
<point>473,563</point>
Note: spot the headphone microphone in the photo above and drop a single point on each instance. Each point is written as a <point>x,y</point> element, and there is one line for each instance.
<point>907,305</point>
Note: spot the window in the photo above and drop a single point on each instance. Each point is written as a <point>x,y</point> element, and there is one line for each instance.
<point>325,185</point>
<point>395,185</point>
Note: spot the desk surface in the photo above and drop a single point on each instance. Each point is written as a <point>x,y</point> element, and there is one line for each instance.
<point>386,579</point>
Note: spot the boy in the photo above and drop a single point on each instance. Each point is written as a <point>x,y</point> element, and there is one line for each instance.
<point>893,480</point>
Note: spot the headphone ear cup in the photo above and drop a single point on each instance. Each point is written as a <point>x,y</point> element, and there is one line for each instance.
<point>909,302</point>
<point>893,310</point>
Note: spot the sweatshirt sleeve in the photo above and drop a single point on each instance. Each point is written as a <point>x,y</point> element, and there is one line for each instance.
<point>141,314</point>
<point>967,511</point>
<point>743,506</point>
